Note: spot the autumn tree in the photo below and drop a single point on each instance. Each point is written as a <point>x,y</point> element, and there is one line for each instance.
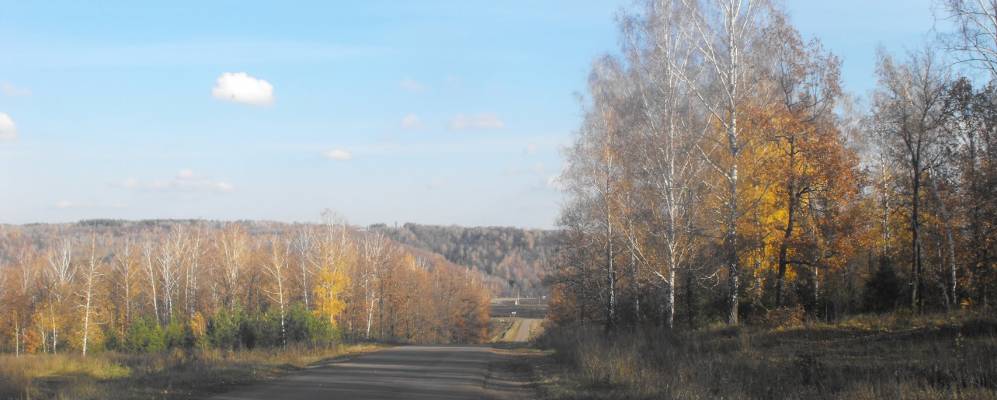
<point>909,111</point>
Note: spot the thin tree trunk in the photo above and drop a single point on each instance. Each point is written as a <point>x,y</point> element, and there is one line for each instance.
<point>915,226</point>
<point>950,289</point>
<point>733,284</point>
<point>55,330</point>
<point>17,337</point>
<point>89,295</point>
<point>788,230</point>
<point>610,269</point>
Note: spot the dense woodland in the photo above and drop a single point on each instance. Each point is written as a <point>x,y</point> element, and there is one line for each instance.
<point>151,285</point>
<point>722,174</point>
<point>514,258</point>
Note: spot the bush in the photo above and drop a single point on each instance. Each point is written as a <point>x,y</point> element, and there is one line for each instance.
<point>179,335</point>
<point>305,327</point>
<point>225,329</point>
<point>144,336</point>
<point>884,288</point>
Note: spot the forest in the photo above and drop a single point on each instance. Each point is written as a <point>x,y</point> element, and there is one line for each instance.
<point>149,286</point>
<point>516,259</point>
<point>722,177</point>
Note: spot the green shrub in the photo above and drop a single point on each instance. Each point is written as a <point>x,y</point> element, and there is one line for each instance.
<point>144,336</point>
<point>225,329</point>
<point>178,334</point>
<point>305,327</point>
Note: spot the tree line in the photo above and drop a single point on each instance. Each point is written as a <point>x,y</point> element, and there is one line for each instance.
<point>721,173</point>
<point>154,285</point>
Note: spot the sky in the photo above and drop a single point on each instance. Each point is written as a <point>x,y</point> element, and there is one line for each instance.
<point>438,112</point>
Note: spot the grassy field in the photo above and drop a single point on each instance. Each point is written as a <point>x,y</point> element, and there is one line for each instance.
<point>867,357</point>
<point>151,376</point>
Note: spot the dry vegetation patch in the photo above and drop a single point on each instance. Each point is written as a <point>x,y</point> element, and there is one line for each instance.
<point>168,375</point>
<point>953,356</point>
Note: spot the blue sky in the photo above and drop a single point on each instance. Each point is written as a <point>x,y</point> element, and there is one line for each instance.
<point>444,112</point>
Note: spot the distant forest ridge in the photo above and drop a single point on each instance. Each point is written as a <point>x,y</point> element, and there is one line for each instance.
<point>40,234</point>
<point>517,256</point>
<point>507,258</point>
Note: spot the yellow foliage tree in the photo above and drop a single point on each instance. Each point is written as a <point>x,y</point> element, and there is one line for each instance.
<point>329,287</point>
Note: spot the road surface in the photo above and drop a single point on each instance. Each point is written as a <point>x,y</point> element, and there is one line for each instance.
<point>521,329</point>
<point>407,372</point>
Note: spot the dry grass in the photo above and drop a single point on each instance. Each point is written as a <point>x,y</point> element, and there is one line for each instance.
<point>151,376</point>
<point>498,327</point>
<point>869,357</point>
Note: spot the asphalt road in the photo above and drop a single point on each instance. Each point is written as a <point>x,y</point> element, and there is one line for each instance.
<point>407,372</point>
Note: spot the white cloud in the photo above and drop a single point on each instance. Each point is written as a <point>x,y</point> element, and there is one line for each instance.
<point>8,131</point>
<point>239,87</point>
<point>477,121</point>
<point>186,180</point>
<point>224,187</point>
<point>411,85</point>
<point>531,148</point>
<point>64,204</point>
<point>411,121</point>
<point>130,183</point>
<point>338,155</point>
<point>13,91</point>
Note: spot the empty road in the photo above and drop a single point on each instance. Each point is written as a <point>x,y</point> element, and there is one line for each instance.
<point>407,372</point>
<point>520,330</point>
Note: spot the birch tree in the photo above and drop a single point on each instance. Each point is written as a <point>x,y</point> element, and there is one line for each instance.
<point>275,269</point>
<point>90,277</point>
<point>723,34</point>
<point>60,274</point>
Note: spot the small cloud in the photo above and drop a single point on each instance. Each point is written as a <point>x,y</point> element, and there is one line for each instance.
<point>13,91</point>
<point>411,121</point>
<point>8,131</point>
<point>224,187</point>
<point>239,87</point>
<point>338,155</point>
<point>67,204</point>
<point>478,121</point>
<point>130,183</point>
<point>531,148</point>
<point>411,85</point>
<point>185,181</point>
